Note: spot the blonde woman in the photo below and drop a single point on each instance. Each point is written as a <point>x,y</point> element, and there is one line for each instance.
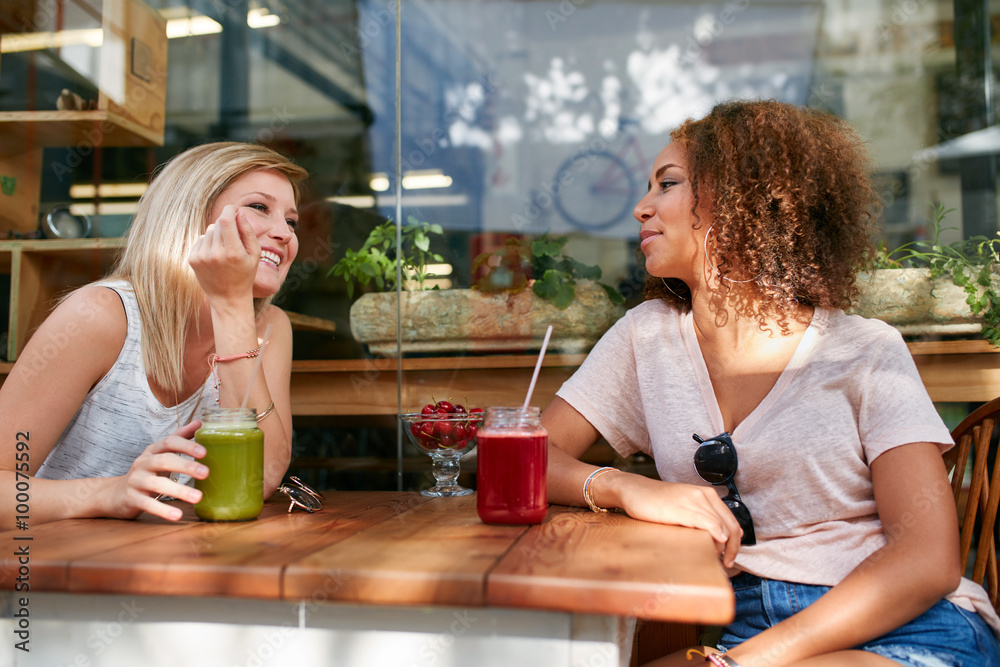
<point>106,391</point>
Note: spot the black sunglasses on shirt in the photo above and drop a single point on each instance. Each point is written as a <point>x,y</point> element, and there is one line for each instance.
<point>716,463</point>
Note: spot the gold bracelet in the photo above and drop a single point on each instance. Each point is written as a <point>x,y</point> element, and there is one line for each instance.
<point>268,410</point>
<point>587,494</point>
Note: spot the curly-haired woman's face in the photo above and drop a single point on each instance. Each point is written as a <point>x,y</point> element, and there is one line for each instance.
<point>668,238</point>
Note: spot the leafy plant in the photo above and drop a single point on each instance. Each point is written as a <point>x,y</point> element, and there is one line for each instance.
<point>970,263</point>
<point>376,259</point>
<point>511,268</point>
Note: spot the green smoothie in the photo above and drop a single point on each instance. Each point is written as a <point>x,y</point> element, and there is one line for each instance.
<point>234,488</point>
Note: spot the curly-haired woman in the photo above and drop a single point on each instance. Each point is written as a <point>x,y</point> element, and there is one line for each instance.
<point>838,526</point>
<point>109,386</point>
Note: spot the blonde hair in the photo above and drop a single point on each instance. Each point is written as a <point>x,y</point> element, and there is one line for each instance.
<point>171,216</point>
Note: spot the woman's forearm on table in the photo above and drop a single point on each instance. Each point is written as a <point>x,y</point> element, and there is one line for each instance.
<point>570,434</point>
<point>51,500</point>
<point>566,476</point>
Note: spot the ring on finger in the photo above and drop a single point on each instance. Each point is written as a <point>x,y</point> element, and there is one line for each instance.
<point>174,477</point>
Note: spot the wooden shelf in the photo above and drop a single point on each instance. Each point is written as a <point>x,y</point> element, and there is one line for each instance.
<point>302,322</point>
<point>99,127</point>
<point>65,247</point>
<point>958,371</point>
<point>953,371</point>
<point>129,110</point>
<point>40,271</point>
<point>365,387</point>
<point>978,346</point>
<point>436,363</point>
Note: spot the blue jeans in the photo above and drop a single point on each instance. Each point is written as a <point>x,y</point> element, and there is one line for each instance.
<point>944,636</point>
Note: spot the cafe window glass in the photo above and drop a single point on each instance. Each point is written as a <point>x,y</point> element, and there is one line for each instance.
<point>489,126</point>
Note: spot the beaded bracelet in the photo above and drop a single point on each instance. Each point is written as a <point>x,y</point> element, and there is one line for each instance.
<point>587,495</point>
<point>214,359</point>
<point>249,354</point>
<point>721,660</point>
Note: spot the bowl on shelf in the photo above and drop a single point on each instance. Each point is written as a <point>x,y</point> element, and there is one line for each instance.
<point>446,439</point>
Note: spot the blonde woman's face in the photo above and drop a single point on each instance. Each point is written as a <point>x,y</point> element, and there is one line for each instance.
<point>268,202</point>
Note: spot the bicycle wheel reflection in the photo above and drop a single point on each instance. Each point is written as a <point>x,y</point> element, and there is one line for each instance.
<point>596,191</point>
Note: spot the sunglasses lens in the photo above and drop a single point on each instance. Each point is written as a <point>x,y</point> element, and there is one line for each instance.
<point>743,517</point>
<point>302,495</point>
<point>715,462</point>
<point>304,500</point>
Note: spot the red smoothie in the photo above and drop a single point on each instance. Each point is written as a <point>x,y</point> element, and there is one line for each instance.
<point>510,482</point>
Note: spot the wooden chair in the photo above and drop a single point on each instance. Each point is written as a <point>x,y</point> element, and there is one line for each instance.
<point>655,639</point>
<point>978,493</point>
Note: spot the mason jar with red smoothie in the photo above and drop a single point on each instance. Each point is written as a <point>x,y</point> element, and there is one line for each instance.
<point>512,458</point>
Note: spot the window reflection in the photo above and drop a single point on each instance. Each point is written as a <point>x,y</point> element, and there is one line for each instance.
<point>512,118</point>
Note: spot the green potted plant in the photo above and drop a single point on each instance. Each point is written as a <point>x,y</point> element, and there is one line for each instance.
<point>376,260</point>
<point>928,286</point>
<point>498,314</point>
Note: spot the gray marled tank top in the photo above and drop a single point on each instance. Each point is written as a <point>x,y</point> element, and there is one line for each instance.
<point>120,416</point>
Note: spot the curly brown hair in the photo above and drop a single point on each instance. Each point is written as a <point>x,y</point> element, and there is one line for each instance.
<point>792,203</point>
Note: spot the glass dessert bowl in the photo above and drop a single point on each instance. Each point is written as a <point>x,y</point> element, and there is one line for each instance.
<point>446,439</point>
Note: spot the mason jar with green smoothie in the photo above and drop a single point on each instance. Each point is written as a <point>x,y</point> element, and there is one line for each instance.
<point>234,446</point>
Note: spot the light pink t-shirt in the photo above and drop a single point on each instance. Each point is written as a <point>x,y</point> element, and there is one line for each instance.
<point>850,393</point>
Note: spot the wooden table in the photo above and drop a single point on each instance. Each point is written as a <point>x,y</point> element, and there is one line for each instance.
<point>374,578</point>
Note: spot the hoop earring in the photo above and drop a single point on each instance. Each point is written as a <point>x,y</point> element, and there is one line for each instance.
<point>709,260</point>
<point>667,285</point>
